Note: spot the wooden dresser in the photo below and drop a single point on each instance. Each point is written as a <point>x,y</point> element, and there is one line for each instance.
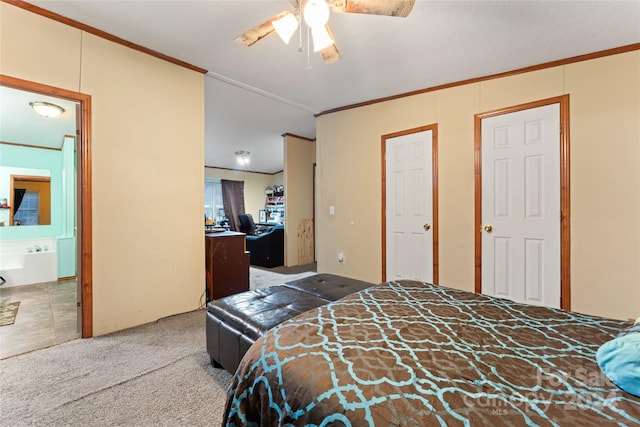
<point>227,264</point>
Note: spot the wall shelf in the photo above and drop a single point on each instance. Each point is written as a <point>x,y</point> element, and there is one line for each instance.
<point>275,208</point>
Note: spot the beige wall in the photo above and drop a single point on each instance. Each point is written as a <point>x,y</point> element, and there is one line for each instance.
<point>254,186</point>
<point>605,177</point>
<point>299,157</point>
<point>148,252</point>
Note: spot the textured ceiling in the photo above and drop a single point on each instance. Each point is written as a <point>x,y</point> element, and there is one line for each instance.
<point>255,94</point>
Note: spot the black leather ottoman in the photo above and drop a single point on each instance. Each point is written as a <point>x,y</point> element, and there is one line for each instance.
<point>235,322</point>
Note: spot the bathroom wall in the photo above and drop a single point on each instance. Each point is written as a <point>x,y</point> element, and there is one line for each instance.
<point>59,165</point>
<point>66,240</point>
<point>38,162</point>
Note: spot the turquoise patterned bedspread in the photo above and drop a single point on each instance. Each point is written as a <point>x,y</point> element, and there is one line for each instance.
<point>414,354</point>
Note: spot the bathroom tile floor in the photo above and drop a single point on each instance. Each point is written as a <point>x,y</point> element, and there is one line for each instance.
<point>47,316</point>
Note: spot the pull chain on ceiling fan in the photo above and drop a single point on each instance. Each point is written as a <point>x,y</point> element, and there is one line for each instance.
<point>316,16</point>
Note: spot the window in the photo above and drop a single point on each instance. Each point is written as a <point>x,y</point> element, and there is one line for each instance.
<point>28,211</point>
<point>213,206</point>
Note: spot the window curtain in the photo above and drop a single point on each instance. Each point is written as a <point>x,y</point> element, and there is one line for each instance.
<point>233,201</point>
<point>18,195</point>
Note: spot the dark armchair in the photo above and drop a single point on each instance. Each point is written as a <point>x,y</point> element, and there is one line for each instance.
<point>249,227</point>
<point>267,249</point>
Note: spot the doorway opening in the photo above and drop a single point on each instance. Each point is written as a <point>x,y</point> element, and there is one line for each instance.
<point>83,189</point>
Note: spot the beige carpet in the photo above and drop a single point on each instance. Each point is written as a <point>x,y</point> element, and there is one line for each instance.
<point>8,313</point>
<point>263,277</point>
<point>157,374</point>
<point>296,269</point>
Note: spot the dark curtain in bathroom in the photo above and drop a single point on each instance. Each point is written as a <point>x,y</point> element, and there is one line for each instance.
<point>18,195</point>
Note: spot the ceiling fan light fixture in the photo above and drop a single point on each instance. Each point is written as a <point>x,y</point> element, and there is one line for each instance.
<point>321,38</point>
<point>47,109</point>
<point>316,13</point>
<point>242,157</point>
<point>286,26</point>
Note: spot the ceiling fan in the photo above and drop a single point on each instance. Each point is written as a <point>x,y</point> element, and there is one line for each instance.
<point>315,14</point>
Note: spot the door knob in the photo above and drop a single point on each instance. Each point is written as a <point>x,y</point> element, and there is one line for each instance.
<point>488,228</point>
<point>426,227</point>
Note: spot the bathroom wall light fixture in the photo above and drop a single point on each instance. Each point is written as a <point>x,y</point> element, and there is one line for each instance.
<point>242,157</point>
<point>47,109</point>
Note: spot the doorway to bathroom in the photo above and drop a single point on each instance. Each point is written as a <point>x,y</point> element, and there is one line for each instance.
<point>53,304</point>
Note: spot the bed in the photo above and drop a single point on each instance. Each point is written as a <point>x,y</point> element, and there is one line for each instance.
<point>409,353</point>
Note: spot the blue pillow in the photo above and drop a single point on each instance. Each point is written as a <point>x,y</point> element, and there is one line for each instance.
<point>619,360</point>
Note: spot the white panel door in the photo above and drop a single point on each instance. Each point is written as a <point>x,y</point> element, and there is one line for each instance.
<point>409,207</point>
<point>521,206</point>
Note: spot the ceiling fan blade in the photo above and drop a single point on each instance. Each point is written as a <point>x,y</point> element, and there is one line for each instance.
<point>330,54</point>
<point>375,7</point>
<point>258,32</point>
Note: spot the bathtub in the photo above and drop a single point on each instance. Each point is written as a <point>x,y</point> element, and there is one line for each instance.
<point>23,262</point>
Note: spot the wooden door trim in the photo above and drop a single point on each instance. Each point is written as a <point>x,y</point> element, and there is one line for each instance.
<point>565,195</point>
<point>434,164</point>
<point>84,192</point>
